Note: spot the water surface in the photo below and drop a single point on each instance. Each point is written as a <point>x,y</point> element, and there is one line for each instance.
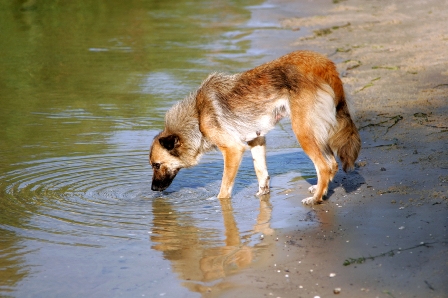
<point>84,87</point>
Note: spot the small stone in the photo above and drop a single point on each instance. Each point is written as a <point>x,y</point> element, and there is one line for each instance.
<point>360,164</point>
<point>332,274</point>
<point>383,169</point>
<point>337,290</point>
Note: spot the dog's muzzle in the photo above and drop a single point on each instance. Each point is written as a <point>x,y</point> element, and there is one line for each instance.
<point>157,186</point>
<point>160,183</point>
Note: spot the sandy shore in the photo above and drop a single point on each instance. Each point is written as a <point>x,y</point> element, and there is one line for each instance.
<point>383,231</point>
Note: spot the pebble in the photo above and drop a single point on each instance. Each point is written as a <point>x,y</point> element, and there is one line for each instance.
<point>361,164</point>
<point>332,274</point>
<point>337,290</point>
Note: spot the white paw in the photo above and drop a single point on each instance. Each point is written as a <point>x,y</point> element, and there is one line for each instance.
<point>263,187</point>
<point>308,201</point>
<point>263,191</point>
<point>312,189</point>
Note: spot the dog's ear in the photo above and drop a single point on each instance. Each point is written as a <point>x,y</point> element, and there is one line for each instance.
<point>169,142</point>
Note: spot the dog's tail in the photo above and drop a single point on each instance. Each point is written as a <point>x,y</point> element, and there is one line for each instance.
<point>345,141</point>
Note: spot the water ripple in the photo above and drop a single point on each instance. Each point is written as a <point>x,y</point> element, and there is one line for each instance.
<point>81,200</point>
<point>70,195</point>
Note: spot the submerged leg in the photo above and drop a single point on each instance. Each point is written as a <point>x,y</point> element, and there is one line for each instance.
<point>232,159</point>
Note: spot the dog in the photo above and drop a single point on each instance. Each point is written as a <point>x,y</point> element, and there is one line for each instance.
<point>235,112</point>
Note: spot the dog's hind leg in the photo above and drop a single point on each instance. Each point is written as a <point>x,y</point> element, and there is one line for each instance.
<point>313,122</point>
<point>334,169</point>
<point>323,169</point>
<point>258,150</point>
<point>232,159</point>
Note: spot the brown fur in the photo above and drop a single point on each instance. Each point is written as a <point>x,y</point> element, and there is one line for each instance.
<point>229,112</point>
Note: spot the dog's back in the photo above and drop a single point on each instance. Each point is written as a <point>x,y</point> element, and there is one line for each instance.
<point>251,103</point>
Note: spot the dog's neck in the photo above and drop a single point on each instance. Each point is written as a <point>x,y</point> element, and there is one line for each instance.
<point>182,120</point>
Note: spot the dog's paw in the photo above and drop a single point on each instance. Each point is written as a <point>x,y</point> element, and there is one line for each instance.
<point>312,188</point>
<point>308,201</point>
<point>263,191</point>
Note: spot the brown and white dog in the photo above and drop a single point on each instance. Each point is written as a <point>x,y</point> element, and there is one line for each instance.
<point>229,112</point>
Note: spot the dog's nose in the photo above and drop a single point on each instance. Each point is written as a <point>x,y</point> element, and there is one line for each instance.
<point>156,188</point>
<point>159,184</point>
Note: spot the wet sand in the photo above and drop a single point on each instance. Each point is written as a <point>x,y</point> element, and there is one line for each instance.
<point>383,230</point>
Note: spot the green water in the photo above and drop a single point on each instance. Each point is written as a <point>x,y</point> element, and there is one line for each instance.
<point>66,65</point>
<point>84,86</point>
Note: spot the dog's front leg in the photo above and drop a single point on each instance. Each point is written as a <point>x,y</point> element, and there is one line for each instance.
<point>258,150</point>
<point>232,159</point>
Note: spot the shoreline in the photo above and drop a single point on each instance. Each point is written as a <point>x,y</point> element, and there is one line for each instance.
<point>383,230</point>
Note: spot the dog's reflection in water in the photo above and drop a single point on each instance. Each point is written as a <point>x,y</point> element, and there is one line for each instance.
<point>195,258</point>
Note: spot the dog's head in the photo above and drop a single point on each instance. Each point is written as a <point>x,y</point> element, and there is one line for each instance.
<point>165,161</point>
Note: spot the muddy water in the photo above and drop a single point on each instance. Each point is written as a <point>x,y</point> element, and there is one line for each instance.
<point>83,87</point>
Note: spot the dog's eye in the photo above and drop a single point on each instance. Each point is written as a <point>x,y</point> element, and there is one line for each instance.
<point>156,165</point>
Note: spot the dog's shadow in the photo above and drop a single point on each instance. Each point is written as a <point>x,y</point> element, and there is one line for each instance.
<point>350,182</point>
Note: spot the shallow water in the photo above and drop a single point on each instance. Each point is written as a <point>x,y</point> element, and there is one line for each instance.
<point>84,88</point>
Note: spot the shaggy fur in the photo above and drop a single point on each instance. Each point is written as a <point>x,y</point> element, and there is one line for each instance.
<point>229,112</point>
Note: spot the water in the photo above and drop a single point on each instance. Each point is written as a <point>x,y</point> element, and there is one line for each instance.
<point>84,87</point>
